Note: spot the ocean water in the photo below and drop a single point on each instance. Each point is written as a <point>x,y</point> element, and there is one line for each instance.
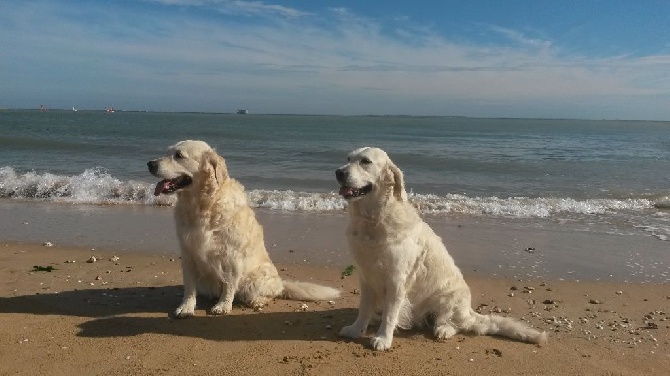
<point>604,174</point>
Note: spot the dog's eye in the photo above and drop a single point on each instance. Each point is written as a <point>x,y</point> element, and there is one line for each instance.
<point>178,155</point>
<point>366,161</point>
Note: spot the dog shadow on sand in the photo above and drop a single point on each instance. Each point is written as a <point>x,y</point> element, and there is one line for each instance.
<point>138,310</point>
<point>131,311</point>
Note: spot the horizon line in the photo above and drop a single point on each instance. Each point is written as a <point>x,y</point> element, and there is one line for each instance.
<point>334,115</point>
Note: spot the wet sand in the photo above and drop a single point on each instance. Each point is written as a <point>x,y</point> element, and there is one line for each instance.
<point>522,248</point>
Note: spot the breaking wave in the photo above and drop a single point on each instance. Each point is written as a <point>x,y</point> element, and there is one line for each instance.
<point>96,186</point>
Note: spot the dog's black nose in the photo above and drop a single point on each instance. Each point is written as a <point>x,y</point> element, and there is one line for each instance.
<point>153,166</point>
<point>340,174</point>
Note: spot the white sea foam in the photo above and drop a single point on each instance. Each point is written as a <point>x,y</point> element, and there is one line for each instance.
<point>523,207</point>
<point>296,201</point>
<point>95,186</point>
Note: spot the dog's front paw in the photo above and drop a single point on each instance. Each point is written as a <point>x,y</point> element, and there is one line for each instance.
<point>351,331</point>
<point>222,308</point>
<point>381,343</point>
<point>184,311</point>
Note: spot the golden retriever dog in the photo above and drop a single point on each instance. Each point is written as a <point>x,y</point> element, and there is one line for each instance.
<point>222,246</point>
<point>405,269</point>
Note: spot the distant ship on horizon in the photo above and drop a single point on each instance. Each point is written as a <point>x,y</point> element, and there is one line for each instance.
<point>242,112</point>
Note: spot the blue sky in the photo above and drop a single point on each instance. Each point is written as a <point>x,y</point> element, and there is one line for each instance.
<point>548,59</point>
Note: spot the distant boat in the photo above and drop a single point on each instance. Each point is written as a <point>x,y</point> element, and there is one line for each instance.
<point>74,109</point>
<point>43,108</point>
<point>242,112</point>
<point>109,110</point>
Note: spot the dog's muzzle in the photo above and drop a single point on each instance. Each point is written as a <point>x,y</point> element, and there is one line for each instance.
<point>167,186</point>
<point>346,191</point>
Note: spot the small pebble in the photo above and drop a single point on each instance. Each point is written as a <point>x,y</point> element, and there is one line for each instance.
<point>92,260</point>
<point>47,244</point>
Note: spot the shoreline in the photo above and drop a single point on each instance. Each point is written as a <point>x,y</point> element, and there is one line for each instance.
<point>490,247</point>
<point>111,317</point>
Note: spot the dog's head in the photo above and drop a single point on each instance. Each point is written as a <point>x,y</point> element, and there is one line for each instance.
<point>184,160</point>
<point>370,172</point>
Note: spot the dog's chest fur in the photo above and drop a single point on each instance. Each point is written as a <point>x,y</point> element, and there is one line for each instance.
<point>379,245</point>
<point>189,220</point>
<point>199,222</point>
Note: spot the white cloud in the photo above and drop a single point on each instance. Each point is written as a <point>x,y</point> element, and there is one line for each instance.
<point>238,7</point>
<point>522,39</point>
<point>313,63</point>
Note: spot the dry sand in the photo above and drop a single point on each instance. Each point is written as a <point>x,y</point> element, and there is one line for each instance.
<point>110,318</point>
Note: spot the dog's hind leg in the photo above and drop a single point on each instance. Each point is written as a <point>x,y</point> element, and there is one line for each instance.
<point>446,308</point>
<point>444,328</point>
<point>260,286</point>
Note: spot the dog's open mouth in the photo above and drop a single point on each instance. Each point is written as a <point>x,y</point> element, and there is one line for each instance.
<point>172,185</point>
<point>351,192</point>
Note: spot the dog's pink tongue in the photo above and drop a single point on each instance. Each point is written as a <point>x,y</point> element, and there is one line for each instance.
<point>346,191</point>
<point>161,187</point>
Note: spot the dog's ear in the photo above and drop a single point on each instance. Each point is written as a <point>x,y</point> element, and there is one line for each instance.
<point>398,182</point>
<point>215,164</point>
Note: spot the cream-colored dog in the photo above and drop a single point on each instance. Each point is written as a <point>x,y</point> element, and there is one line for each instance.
<point>222,247</point>
<point>405,269</point>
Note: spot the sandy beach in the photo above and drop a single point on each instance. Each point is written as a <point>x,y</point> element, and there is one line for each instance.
<point>605,315</point>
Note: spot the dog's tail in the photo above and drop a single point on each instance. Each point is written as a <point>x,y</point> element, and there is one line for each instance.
<point>295,290</point>
<point>505,327</point>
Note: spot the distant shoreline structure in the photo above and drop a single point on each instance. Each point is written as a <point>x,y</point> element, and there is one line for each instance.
<point>340,115</point>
